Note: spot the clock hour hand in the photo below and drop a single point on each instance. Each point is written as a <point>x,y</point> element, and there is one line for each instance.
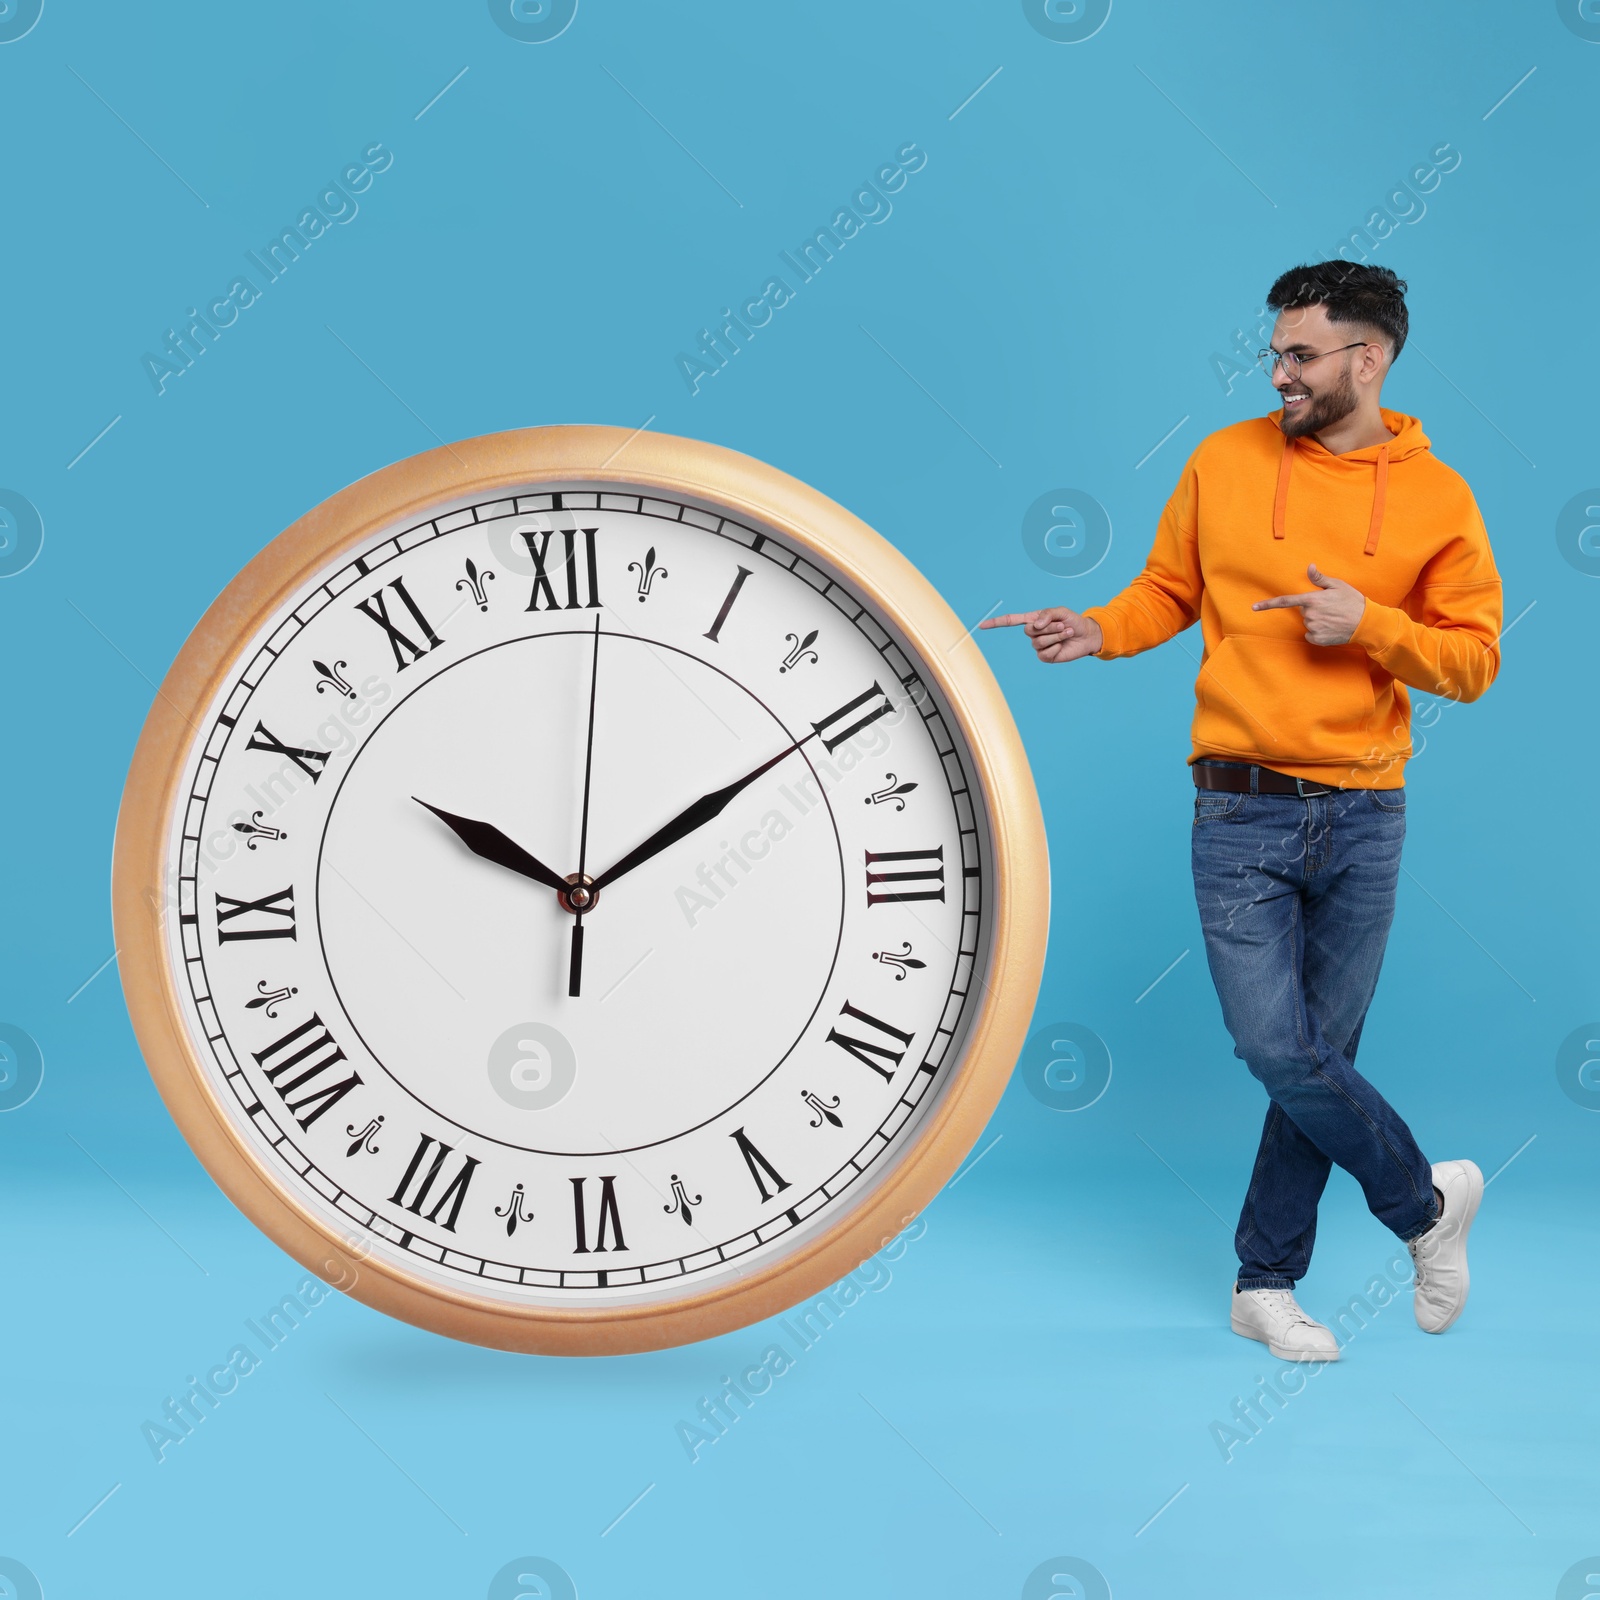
<point>692,817</point>
<point>486,840</point>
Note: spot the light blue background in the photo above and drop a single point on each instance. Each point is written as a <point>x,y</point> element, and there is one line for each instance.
<point>1038,312</point>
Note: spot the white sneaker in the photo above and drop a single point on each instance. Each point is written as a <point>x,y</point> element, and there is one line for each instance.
<point>1274,1317</point>
<point>1440,1255</point>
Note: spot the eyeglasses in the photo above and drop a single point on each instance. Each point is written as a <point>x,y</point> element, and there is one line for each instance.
<point>1269,360</point>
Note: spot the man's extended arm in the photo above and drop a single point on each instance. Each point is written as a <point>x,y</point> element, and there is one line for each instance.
<point>1165,598</point>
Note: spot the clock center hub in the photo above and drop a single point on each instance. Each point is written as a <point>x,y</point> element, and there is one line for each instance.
<point>581,896</point>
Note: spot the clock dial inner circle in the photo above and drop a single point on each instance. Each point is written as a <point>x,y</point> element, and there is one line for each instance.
<point>701,966</point>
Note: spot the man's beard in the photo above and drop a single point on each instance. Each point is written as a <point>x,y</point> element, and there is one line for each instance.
<point>1323,409</point>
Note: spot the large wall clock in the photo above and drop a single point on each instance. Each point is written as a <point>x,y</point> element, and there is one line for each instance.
<point>580,891</point>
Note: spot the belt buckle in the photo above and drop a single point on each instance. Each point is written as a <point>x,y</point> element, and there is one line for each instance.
<point>1315,791</point>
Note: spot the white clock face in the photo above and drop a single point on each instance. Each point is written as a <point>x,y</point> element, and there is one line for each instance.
<point>582,897</point>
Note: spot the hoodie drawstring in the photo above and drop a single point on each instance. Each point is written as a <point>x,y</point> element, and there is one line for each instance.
<point>1280,502</point>
<point>1380,495</point>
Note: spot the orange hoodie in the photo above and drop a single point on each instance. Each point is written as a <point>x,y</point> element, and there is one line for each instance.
<point>1250,512</point>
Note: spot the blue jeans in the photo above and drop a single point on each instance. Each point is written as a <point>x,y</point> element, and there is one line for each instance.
<point>1296,897</point>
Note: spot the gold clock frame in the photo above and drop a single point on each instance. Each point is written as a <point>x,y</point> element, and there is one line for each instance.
<point>746,488</point>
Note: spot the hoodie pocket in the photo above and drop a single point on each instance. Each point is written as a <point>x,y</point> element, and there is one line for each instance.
<point>1285,698</point>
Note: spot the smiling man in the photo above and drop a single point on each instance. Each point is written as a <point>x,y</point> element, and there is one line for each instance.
<point>1331,561</point>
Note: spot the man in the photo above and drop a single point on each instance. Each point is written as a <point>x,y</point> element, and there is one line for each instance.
<point>1301,733</point>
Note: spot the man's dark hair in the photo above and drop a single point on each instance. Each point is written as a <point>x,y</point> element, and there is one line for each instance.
<point>1372,296</point>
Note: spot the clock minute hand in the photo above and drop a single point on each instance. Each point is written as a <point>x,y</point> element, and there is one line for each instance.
<point>486,840</point>
<point>692,817</point>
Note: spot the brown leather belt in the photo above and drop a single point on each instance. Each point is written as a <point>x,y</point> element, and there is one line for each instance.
<point>1237,778</point>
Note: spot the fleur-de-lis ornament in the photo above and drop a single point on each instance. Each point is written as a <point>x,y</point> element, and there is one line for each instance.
<point>800,649</point>
<point>824,1109</point>
<point>333,678</point>
<point>892,793</point>
<point>681,1202</point>
<point>648,572</point>
<point>254,831</point>
<point>269,1000</point>
<point>899,962</point>
<point>366,1139</point>
<point>512,1211</point>
<point>474,581</point>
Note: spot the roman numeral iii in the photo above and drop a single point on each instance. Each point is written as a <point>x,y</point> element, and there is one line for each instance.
<point>865,1049</point>
<point>406,650</point>
<point>905,881</point>
<point>316,1053</point>
<point>835,728</point>
<point>260,914</point>
<point>453,1193</point>
<point>539,552</point>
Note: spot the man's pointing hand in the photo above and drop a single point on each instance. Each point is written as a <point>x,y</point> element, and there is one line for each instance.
<point>1058,633</point>
<point>1331,612</point>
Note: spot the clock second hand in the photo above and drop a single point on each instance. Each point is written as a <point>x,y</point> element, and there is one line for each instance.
<point>575,964</point>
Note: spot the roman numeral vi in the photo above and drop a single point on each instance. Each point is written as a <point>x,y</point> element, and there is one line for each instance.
<point>608,1215</point>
